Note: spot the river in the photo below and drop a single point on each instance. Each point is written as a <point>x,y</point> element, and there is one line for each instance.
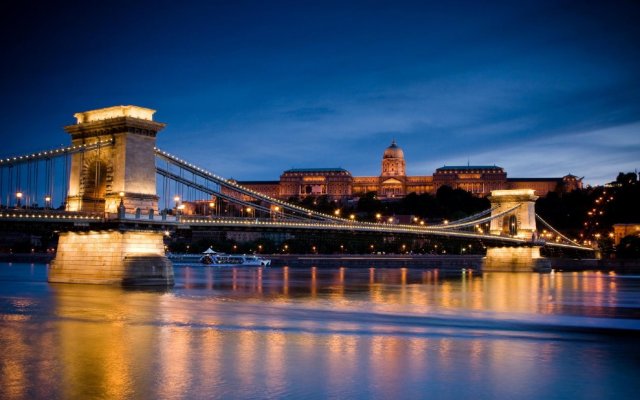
<point>311,333</point>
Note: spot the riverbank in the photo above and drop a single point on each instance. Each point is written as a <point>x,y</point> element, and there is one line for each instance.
<point>450,262</point>
<point>445,262</point>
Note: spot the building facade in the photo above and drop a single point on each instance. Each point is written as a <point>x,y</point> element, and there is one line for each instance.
<point>393,182</point>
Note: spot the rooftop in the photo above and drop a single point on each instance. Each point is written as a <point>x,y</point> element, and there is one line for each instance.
<point>467,167</point>
<point>316,170</point>
<point>114,112</point>
<point>533,179</point>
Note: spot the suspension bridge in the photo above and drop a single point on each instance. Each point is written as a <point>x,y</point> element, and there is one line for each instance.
<point>113,178</point>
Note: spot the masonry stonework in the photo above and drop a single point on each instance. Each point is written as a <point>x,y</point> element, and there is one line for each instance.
<point>111,257</point>
<point>122,168</point>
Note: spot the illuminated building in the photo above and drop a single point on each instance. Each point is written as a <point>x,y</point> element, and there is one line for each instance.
<point>393,182</point>
<point>621,231</point>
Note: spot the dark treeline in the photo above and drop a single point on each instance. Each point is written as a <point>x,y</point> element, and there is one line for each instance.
<point>589,214</point>
<point>448,204</point>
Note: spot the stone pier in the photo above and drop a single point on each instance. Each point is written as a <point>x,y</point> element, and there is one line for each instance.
<point>129,258</point>
<point>515,259</point>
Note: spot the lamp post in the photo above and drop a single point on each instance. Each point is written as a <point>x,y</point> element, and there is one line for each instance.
<point>121,208</point>
<point>18,199</point>
<point>47,202</point>
<point>212,207</point>
<point>378,216</point>
<point>176,199</point>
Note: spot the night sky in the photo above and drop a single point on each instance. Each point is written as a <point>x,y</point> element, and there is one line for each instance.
<point>249,89</point>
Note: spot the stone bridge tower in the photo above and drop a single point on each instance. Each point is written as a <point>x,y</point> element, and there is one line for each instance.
<point>122,169</point>
<point>521,223</point>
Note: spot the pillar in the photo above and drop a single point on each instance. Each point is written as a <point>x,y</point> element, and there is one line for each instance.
<point>129,258</point>
<point>521,222</point>
<point>515,259</point>
<point>123,167</point>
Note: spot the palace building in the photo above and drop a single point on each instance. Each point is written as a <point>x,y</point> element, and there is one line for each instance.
<point>393,182</point>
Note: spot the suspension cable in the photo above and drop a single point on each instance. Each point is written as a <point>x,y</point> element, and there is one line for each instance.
<point>552,229</point>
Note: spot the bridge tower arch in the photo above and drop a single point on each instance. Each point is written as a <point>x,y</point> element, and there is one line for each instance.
<point>124,168</point>
<point>521,222</point>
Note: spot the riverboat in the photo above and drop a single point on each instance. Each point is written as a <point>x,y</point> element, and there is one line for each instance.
<point>211,257</point>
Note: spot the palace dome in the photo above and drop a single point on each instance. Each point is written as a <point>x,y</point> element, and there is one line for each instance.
<point>393,151</point>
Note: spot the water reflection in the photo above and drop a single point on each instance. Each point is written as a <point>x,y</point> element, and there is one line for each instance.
<point>318,333</point>
<point>587,294</point>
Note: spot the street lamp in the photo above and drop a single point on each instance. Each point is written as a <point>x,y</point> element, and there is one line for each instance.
<point>378,216</point>
<point>47,202</point>
<point>176,199</point>
<point>337,212</point>
<point>19,198</point>
<point>212,206</point>
<point>352,217</point>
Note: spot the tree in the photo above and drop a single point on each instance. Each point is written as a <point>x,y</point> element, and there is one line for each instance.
<point>629,247</point>
<point>629,178</point>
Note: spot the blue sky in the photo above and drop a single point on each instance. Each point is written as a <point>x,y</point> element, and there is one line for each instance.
<point>249,89</point>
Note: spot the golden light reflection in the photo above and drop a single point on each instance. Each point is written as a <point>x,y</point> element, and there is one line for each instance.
<point>110,343</point>
<point>95,354</point>
<point>285,280</point>
<point>314,282</point>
